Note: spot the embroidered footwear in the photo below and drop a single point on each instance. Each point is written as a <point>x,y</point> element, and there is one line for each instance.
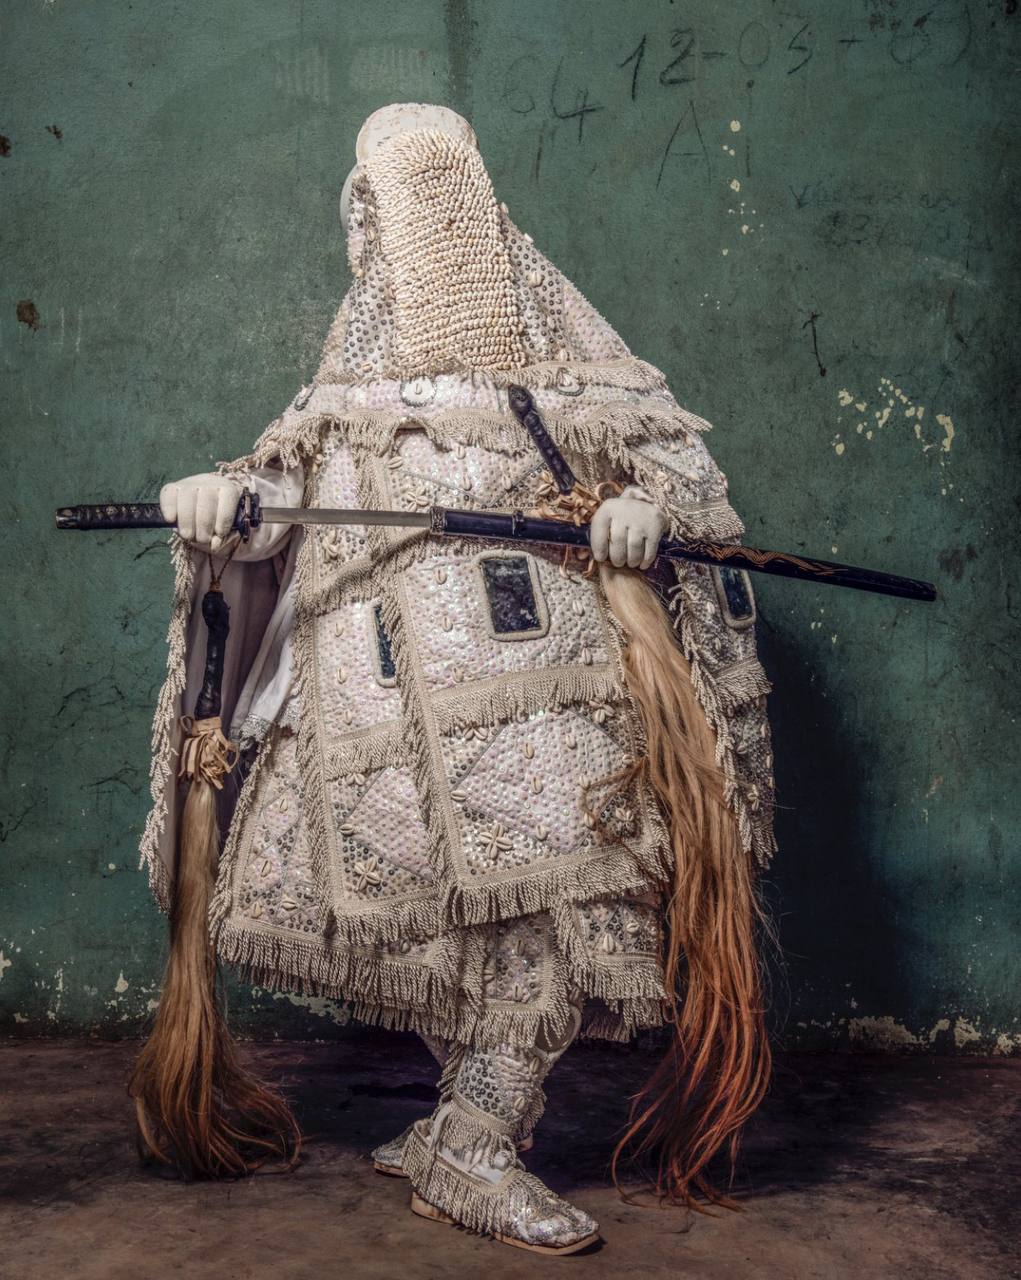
<point>485,1188</point>
<point>463,1161</point>
<point>388,1157</point>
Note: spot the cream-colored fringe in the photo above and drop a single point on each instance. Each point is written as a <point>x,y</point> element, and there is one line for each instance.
<point>480,1206</point>
<point>165,722</point>
<point>606,430</point>
<point>756,832</point>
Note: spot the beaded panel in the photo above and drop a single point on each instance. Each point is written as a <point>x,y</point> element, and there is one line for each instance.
<point>753,757</point>
<point>683,470</point>
<point>722,646</point>
<point>540,295</point>
<point>454,629</point>
<point>382,841</point>
<point>370,330</point>
<point>515,971</point>
<point>422,474</point>
<point>501,1083</point>
<point>276,886</point>
<point>430,397</point>
<point>337,486</point>
<point>354,692</point>
<point>588,335</point>
<point>619,929</point>
<point>519,788</point>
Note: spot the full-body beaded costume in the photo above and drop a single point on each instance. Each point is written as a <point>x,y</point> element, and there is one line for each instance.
<point>444,823</point>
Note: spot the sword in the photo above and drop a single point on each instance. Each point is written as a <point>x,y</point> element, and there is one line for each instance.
<point>515,526</point>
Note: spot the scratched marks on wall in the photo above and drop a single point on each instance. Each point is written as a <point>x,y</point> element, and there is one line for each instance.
<point>891,408</point>
<point>680,67</point>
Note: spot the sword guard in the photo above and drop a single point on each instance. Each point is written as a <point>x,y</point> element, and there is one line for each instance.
<point>248,515</point>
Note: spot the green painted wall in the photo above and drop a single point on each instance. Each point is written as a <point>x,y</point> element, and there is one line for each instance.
<point>805,214</point>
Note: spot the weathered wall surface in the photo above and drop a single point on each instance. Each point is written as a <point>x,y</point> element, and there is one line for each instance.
<point>806,215</point>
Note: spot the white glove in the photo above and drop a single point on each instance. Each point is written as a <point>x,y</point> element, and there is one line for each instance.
<point>627,529</point>
<point>203,507</point>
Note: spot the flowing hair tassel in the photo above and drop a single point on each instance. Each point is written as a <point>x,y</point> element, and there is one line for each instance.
<point>717,1067</point>
<point>197,1106</point>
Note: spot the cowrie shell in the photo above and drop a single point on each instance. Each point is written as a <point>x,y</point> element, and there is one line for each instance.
<point>418,391</point>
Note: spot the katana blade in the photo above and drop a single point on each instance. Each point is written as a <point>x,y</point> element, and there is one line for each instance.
<point>343,515</point>
<point>513,526</point>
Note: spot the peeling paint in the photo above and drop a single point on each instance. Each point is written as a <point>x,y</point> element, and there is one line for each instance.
<point>946,423</point>
<point>335,1012</point>
<point>886,1034</point>
<point>121,985</point>
<point>893,399</point>
<point>4,964</point>
<point>881,1033</point>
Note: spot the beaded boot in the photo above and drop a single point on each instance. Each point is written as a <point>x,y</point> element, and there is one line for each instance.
<point>463,1162</point>
<point>388,1157</point>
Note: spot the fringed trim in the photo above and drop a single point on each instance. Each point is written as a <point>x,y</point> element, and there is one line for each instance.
<point>756,836</point>
<point>715,519</point>
<point>464,1125</point>
<point>741,682</point>
<point>367,752</point>
<point>616,871</point>
<point>512,697</point>
<point>474,1204</point>
<point>628,373</point>
<point>618,978</point>
<point>222,903</point>
<point>365,578</point>
<point>310,747</point>
<point>421,992</point>
<point>621,1021</point>
<point>478,1205</point>
<point>165,723</point>
<point>606,429</point>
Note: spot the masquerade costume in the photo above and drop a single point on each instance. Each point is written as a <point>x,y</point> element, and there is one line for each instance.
<point>449,818</point>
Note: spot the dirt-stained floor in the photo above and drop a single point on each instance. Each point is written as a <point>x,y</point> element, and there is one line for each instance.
<point>857,1167</point>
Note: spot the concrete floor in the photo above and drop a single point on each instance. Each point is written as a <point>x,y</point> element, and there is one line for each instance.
<point>857,1166</point>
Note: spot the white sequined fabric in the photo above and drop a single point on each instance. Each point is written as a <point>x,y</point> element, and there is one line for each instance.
<point>446,827</point>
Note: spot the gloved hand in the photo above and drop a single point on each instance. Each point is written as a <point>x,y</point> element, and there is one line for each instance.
<point>203,507</point>
<point>627,529</point>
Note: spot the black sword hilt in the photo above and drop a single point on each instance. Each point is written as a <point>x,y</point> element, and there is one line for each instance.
<point>147,515</point>
<point>216,613</point>
<point>523,407</point>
